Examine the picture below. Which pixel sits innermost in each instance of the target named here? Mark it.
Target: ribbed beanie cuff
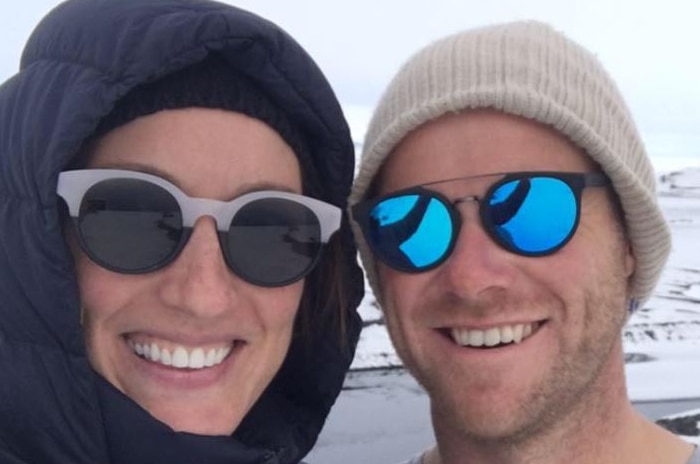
(530, 70)
(213, 84)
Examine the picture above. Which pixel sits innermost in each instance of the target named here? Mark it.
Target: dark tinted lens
(129, 225)
(533, 215)
(273, 241)
(410, 232)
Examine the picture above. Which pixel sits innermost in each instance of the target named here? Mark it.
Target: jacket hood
(81, 59)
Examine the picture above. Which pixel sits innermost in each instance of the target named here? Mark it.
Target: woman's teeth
(494, 336)
(179, 356)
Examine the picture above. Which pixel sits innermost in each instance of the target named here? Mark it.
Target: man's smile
(494, 336)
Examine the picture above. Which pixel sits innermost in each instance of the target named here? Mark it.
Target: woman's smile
(180, 356)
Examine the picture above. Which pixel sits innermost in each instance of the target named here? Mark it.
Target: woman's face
(196, 306)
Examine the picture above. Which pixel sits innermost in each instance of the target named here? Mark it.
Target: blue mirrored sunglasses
(527, 213)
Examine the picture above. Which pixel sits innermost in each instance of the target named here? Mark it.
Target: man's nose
(199, 281)
(477, 264)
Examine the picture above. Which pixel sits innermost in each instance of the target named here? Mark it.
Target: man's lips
(495, 336)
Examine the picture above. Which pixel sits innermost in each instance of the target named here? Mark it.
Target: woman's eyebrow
(140, 167)
(264, 185)
(241, 190)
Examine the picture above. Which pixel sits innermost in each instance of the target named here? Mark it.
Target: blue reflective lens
(533, 215)
(411, 231)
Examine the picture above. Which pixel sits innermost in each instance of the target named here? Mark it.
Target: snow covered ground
(662, 340)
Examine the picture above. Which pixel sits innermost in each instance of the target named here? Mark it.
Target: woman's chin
(199, 424)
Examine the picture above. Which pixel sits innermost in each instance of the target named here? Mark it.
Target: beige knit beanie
(526, 69)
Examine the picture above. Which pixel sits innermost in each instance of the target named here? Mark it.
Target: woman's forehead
(207, 153)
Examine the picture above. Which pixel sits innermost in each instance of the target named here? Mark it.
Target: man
(506, 215)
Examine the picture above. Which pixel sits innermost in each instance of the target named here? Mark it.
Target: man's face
(572, 301)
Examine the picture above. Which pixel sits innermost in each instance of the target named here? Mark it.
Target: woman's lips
(180, 356)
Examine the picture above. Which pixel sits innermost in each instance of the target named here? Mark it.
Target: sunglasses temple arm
(330, 217)
(596, 179)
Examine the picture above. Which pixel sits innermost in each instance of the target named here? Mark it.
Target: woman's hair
(325, 300)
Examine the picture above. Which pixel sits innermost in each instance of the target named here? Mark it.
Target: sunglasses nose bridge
(204, 229)
(466, 199)
(196, 208)
(471, 232)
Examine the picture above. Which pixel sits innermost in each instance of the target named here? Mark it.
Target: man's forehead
(478, 142)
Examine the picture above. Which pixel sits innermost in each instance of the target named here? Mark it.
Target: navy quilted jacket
(82, 58)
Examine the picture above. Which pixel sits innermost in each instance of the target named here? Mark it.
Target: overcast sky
(652, 48)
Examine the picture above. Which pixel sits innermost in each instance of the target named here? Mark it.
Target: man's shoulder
(695, 458)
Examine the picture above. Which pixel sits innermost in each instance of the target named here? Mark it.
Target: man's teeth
(493, 336)
(181, 357)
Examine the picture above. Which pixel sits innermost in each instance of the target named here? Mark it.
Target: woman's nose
(199, 281)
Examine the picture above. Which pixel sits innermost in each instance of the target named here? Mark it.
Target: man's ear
(630, 264)
(630, 261)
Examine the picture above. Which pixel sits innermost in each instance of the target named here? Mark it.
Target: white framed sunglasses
(133, 222)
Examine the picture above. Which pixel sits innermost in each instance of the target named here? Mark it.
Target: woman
(175, 281)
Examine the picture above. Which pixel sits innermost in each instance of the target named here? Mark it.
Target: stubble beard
(566, 394)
